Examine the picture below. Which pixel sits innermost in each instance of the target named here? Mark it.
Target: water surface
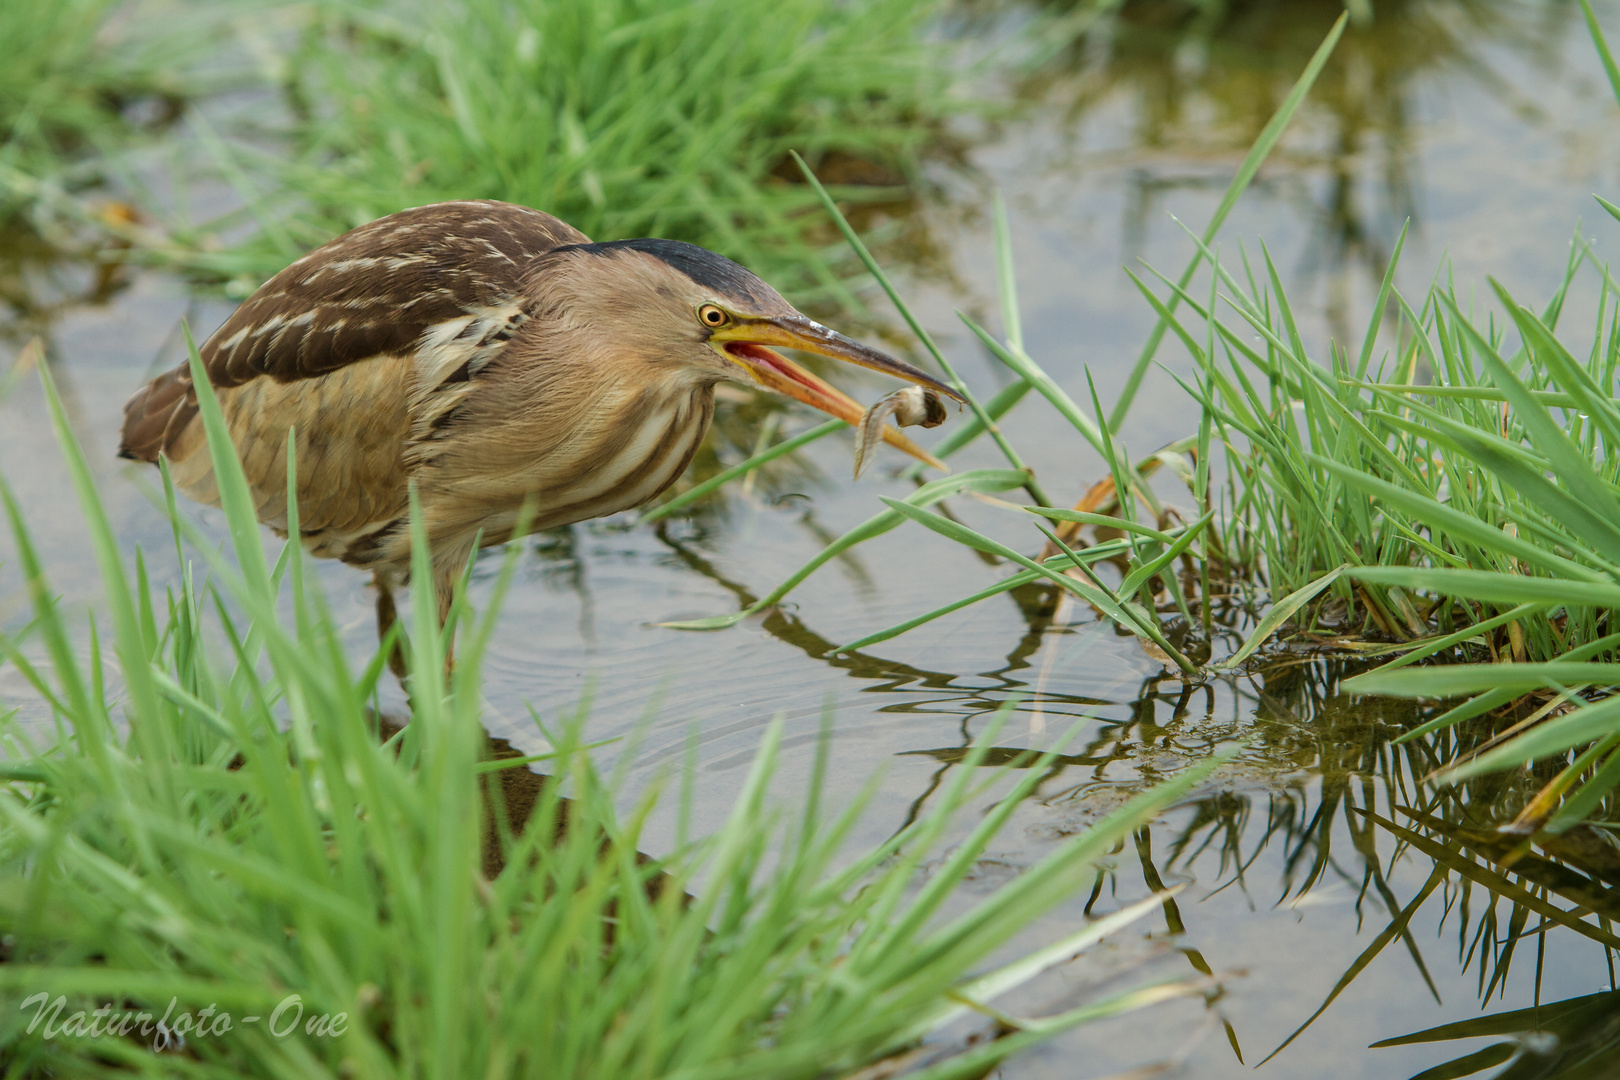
(1318, 852)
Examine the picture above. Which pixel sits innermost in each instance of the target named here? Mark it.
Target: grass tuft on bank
(624, 118)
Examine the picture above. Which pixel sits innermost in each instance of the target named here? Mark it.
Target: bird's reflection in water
(510, 800)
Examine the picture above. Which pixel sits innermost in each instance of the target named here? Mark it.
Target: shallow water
(1490, 125)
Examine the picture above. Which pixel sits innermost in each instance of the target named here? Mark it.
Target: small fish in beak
(911, 406)
(746, 344)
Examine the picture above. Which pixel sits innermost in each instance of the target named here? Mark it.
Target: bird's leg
(444, 591)
(387, 616)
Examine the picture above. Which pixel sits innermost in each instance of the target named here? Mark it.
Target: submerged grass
(223, 835)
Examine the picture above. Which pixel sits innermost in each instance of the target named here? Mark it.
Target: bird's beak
(746, 344)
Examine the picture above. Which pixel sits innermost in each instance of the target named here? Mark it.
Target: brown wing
(372, 292)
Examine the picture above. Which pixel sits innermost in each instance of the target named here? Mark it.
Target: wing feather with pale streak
(447, 276)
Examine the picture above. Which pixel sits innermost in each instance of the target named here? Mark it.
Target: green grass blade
(872, 267)
(742, 468)
(1602, 45)
(1501, 588)
(1016, 581)
(1148, 570)
(1251, 165)
(1280, 613)
(1454, 680)
(235, 497)
(1104, 521)
(1440, 644)
(1582, 803)
(1555, 735)
(144, 716)
(989, 986)
(1465, 393)
(877, 525)
(1526, 473)
(1032, 374)
(1546, 434)
(1459, 524)
(1114, 607)
(1007, 279)
(1376, 319)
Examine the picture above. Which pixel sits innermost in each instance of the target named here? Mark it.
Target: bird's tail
(157, 414)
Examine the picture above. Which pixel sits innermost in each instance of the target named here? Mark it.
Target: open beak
(746, 344)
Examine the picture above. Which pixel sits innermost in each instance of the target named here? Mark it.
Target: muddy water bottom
(1316, 868)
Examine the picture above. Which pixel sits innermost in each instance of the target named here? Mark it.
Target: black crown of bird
(494, 357)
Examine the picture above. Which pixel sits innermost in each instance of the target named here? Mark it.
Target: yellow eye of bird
(712, 316)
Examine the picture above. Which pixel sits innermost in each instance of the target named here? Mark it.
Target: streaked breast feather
(663, 439)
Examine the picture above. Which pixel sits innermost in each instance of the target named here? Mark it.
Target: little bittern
(490, 354)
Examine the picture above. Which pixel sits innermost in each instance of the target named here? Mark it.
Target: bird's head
(680, 304)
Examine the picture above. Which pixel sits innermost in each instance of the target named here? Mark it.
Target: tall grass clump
(1469, 486)
(1458, 500)
(225, 831)
(1449, 488)
(624, 118)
